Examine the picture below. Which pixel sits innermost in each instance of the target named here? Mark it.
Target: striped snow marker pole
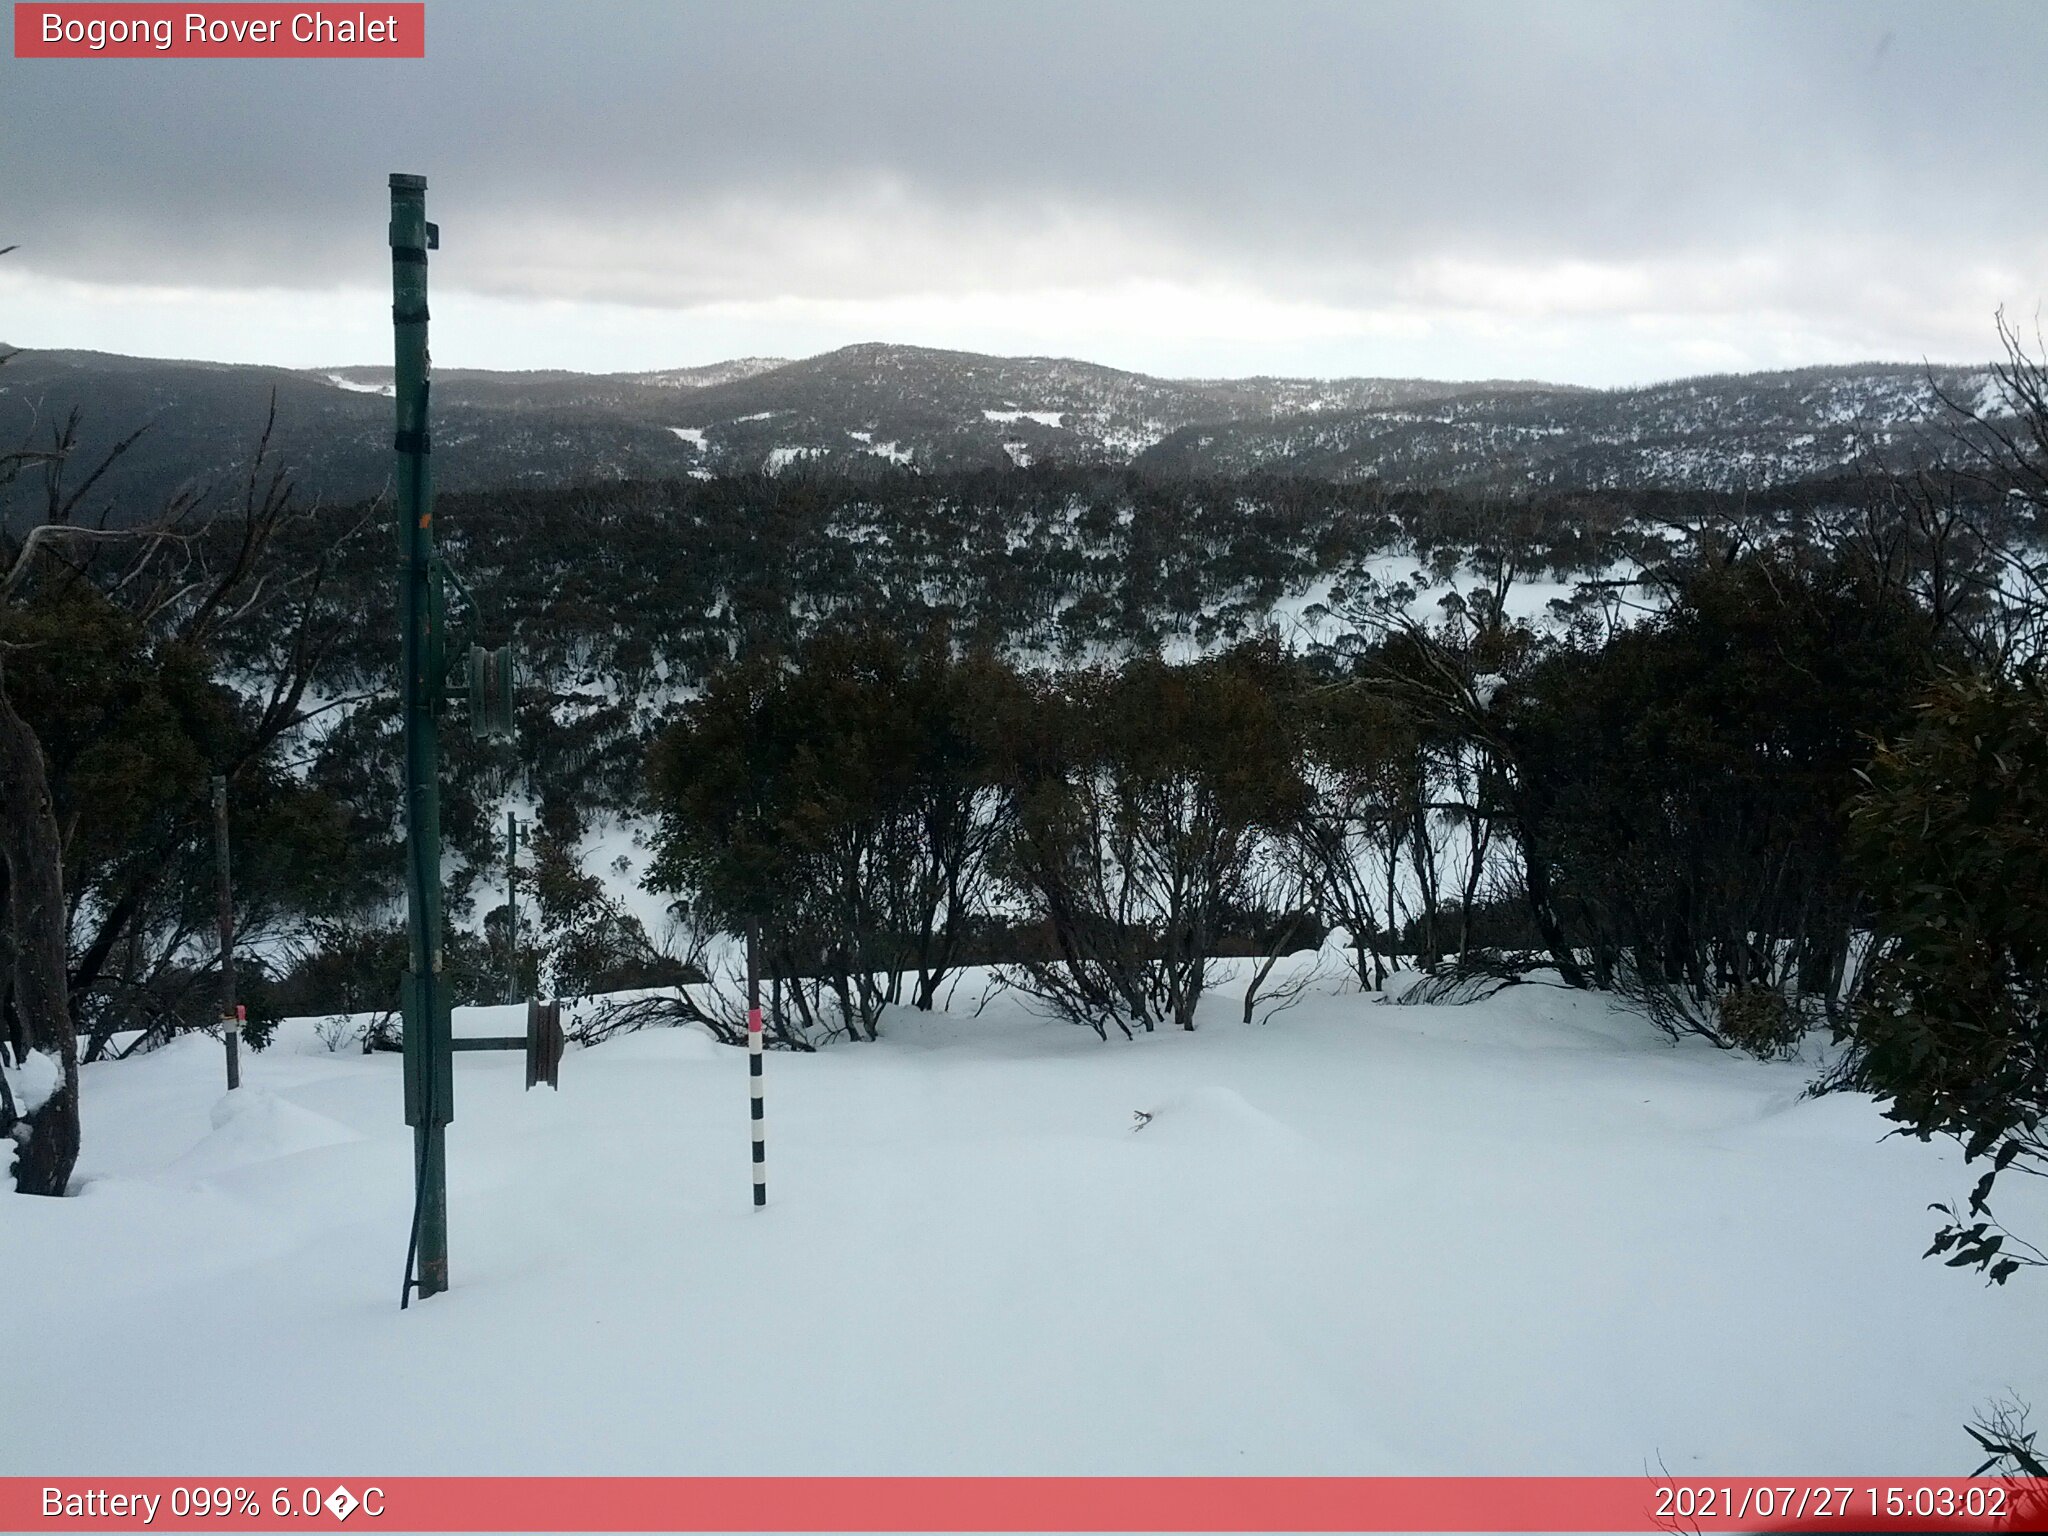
(754, 1105)
(754, 1057)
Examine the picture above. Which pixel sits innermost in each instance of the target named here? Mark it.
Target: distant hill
(863, 409)
(1729, 432)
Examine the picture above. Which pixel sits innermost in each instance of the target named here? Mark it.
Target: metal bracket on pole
(490, 692)
(544, 1044)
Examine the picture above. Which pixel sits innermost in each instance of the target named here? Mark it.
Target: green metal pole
(511, 906)
(429, 1063)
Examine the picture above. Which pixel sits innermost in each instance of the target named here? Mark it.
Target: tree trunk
(1536, 886)
(1274, 950)
(30, 845)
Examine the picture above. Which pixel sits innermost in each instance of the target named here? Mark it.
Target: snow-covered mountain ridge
(877, 408)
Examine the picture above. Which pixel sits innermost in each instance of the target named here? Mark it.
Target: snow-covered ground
(780, 459)
(1010, 418)
(354, 387)
(1522, 1236)
(618, 850)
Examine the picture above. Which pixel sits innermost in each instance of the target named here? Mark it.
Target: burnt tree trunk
(30, 846)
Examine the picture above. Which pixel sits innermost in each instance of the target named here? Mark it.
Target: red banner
(117, 31)
(1023, 1504)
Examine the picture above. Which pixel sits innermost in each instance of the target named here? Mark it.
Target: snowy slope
(1521, 1236)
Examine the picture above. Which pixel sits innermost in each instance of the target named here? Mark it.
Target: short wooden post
(230, 1015)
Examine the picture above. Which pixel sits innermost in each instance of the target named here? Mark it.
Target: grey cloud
(678, 153)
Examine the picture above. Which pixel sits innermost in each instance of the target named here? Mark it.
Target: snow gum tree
(1359, 753)
(844, 797)
(1951, 1020)
(112, 720)
(1140, 799)
(1680, 786)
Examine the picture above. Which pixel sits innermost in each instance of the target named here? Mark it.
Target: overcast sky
(1592, 192)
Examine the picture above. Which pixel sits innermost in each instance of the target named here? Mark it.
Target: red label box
(366, 29)
(1819, 1507)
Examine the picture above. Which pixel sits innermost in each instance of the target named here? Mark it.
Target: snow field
(1526, 1235)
